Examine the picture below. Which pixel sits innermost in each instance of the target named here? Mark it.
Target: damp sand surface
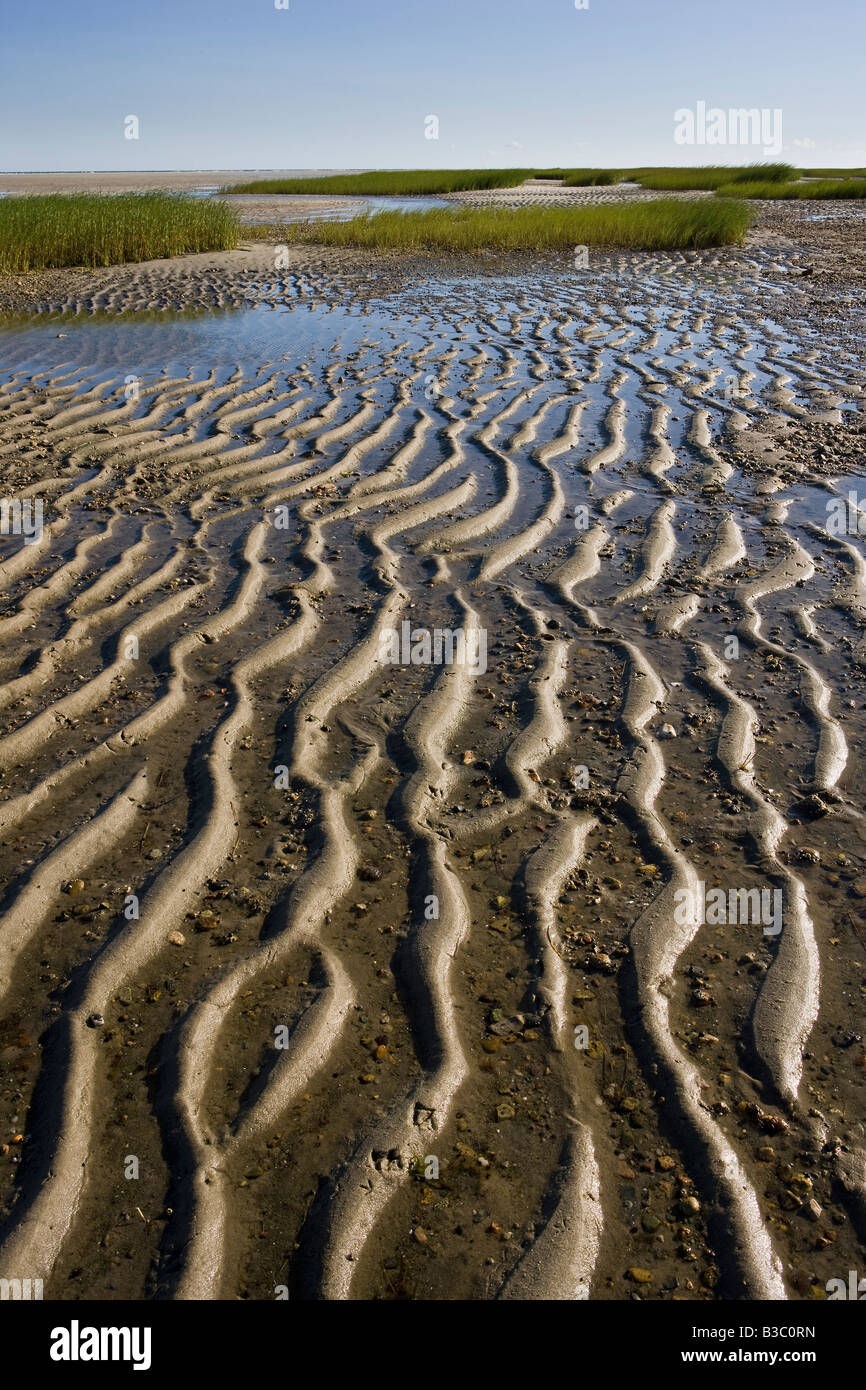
(311, 934)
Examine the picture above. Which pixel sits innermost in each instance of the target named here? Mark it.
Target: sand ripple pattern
(309, 926)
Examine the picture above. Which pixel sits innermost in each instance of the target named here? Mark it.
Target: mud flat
(330, 968)
(148, 180)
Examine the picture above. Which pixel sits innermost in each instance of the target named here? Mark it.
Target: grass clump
(834, 173)
(591, 178)
(579, 178)
(709, 177)
(765, 173)
(665, 225)
(390, 182)
(819, 188)
(94, 229)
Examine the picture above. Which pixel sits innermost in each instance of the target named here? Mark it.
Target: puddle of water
(177, 343)
(300, 327)
(357, 208)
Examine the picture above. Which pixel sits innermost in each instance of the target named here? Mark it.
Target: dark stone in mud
(812, 807)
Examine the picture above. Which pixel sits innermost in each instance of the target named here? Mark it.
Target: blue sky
(228, 84)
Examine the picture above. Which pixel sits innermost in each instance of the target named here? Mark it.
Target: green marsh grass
(766, 173)
(664, 225)
(390, 182)
(417, 182)
(708, 177)
(833, 173)
(818, 188)
(93, 229)
(591, 178)
(579, 178)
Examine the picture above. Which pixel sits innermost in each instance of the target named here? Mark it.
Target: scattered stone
(812, 807)
(599, 961)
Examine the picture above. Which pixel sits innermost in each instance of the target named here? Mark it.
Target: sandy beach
(398, 978)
